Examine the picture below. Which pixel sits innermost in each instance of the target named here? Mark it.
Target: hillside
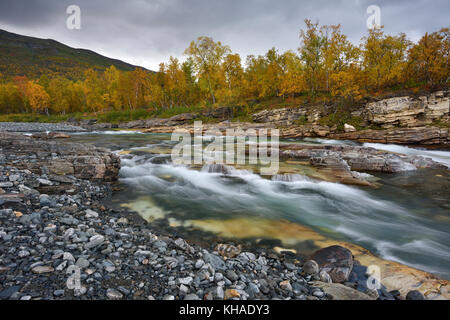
(33, 57)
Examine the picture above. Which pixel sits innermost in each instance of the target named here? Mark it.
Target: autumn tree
(207, 56)
(311, 53)
(38, 97)
(293, 80)
(428, 60)
(232, 75)
(112, 95)
(384, 58)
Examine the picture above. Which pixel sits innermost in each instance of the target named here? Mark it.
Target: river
(405, 219)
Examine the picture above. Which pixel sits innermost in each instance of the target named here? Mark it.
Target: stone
(406, 136)
(191, 296)
(8, 292)
(199, 263)
(6, 184)
(228, 250)
(184, 289)
(113, 294)
(285, 116)
(42, 269)
(58, 293)
(311, 267)
(230, 274)
(91, 214)
(83, 161)
(340, 292)
(231, 293)
(218, 293)
(286, 285)
(349, 128)
(23, 253)
(252, 290)
(215, 261)
(325, 277)
(414, 295)
(337, 261)
(95, 241)
(246, 257)
(186, 281)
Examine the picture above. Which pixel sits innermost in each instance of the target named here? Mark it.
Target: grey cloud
(147, 32)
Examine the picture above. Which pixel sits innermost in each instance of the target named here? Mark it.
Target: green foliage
(301, 121)
(340, 118)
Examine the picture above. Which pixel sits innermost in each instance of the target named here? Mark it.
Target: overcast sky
(147, 32)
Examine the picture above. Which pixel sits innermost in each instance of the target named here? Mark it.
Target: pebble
(414, 295)
(311, 267)
(114, 294)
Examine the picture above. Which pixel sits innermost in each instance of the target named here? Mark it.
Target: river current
(404, 219)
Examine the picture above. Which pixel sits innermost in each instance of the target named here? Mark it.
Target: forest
(326, 64)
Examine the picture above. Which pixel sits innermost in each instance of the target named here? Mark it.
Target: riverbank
(51, 221)
(50, 242)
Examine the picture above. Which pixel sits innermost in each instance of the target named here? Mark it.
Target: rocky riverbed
(59, 241)
(49, 240)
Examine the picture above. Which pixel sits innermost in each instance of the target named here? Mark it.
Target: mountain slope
(22, 55)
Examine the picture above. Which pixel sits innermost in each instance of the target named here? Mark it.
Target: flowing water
(405, 219)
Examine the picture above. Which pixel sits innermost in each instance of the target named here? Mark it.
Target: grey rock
(415, 295)
(215, 261)
(113, 294)
(311, 267)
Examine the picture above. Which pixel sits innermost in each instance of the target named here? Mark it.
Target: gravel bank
(38, 127)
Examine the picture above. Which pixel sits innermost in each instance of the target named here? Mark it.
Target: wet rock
(340, 292)
(215, 261)
(114, 294)
(228, 250)
(8, 292)
(415, 295)
(42, 269)
(325, 277)
(311, 267)
(337, 261)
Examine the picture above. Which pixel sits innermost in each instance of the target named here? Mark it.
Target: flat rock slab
(341, 292)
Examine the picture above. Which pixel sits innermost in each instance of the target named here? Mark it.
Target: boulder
(349, 128)
(337, 261)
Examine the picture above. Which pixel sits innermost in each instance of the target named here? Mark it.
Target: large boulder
(337, 261)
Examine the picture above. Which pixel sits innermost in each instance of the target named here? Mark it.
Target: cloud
(148, 32)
